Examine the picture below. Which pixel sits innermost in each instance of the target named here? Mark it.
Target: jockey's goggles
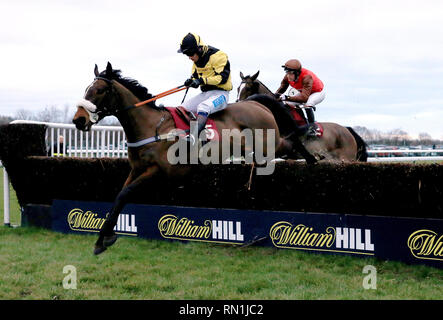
(289, 70)
(190, 52)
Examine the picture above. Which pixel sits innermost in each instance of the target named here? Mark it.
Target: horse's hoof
(109, 241)
(99, 249)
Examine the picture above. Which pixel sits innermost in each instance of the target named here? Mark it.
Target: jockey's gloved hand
(283, 97)
(194, 83)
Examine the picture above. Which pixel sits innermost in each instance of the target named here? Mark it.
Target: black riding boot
(202, 117)
(194, 134)
(312, 127)
(310, 114)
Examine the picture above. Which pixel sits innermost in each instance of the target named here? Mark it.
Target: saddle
(182, 119)
(298, 115)
(185, 115)
(315, 129)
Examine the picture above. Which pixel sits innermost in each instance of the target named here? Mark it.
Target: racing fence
(64, 140)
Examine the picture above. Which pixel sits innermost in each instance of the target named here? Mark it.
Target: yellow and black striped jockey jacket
(214, 69)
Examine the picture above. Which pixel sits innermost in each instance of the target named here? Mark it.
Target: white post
(52, 142)
(6, 206)
(102, 147)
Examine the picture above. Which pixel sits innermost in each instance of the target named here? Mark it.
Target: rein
(245, 81)
(157, 137)
(160, 95)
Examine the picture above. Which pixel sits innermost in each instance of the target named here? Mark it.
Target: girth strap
(156, 138)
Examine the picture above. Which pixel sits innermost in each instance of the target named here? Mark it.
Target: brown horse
(337, 143)
(111, 94)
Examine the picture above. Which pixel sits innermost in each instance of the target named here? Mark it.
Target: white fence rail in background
(402, 155)
(100, 141)
(107, 141)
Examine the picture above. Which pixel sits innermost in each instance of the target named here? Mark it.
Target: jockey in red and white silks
(307, 89)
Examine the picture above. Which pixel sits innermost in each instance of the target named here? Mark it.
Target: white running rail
(100, 141)
(403, 155)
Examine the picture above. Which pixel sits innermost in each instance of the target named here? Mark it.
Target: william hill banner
(403, 239)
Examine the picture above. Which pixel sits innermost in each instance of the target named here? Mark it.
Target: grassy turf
(32, 261)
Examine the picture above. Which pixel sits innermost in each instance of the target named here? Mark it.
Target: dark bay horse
(337, 143)
(111, 94)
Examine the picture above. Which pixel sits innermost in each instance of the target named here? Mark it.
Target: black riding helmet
(189, 45)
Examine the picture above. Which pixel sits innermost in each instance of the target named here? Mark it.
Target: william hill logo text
(426, 244)
(335, 239)
(88, 221)
(172, 227)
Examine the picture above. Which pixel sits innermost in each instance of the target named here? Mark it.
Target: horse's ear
(96, 71)
(254, 77)
(109, 69)
(242, 76)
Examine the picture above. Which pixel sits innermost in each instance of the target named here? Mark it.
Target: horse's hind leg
(107, 235)
(297, 147)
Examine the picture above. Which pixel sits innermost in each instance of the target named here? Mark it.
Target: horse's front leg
(107, 236)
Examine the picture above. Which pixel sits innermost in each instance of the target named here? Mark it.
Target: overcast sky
(381, 61)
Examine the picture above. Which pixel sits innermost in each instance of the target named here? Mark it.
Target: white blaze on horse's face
(240, 89)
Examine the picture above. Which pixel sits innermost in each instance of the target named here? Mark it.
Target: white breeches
(207, 102)
(313, 99)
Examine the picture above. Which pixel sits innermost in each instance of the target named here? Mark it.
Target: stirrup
(190, 138)
(314, 130)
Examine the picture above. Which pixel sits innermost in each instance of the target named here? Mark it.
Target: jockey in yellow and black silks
(211, 72)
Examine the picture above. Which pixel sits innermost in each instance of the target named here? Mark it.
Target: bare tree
(67, 114)
(24, 114)
(5, 120)
(424, 136)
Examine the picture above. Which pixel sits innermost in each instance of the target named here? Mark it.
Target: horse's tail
(285, 121)
(362, 152)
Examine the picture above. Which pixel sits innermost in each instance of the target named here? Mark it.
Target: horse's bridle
(106, 110)
(245, 82)
(140, 143)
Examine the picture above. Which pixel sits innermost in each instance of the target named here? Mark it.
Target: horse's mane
(263, 85)
(132, 85)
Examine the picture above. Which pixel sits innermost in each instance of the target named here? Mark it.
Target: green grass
(32, 261)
